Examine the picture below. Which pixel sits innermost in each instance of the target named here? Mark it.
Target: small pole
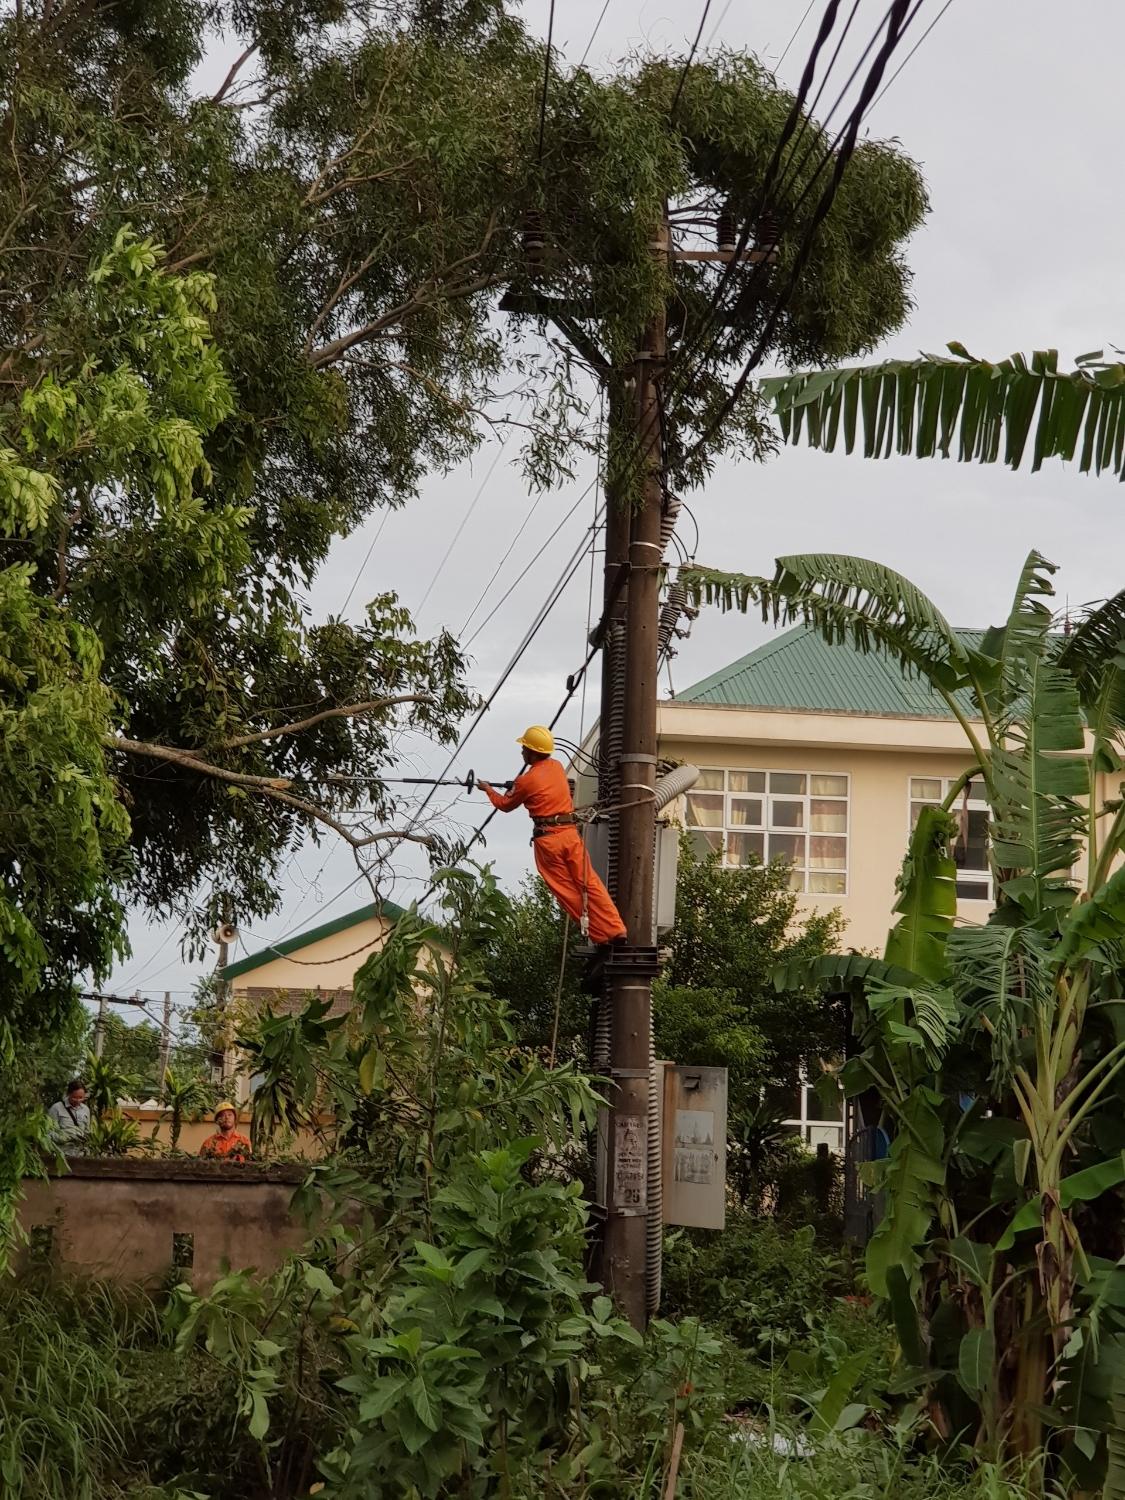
(166, 1036)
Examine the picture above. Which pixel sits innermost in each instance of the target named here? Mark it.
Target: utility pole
(632, 693)
(165, 1036)
(99, 1028)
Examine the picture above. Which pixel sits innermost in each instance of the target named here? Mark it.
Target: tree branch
(274, 787)
(191, 761)
(421, 300)
(233, 74)
(312, 810)
(347, 711)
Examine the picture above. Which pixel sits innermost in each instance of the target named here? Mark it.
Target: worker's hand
(484, 786)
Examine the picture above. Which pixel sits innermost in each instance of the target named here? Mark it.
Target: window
(814, 1121)
(974, 878)
(753, 817)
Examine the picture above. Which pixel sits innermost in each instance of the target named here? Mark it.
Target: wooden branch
(62, 572)
(233, 74)
(191, 761)
(347, 711)
(312, 810)
(431, 291)
(418, 303)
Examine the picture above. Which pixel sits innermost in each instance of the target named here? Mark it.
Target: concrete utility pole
(629, 695)
(165, 1036)
(99, 1028)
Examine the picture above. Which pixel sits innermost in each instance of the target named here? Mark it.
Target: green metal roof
(799, 670)
(300, 940)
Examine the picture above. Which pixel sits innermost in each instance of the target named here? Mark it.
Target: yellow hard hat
(537, 738)
(225, 1104)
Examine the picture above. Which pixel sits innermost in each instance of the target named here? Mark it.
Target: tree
(715, 1003)
(999, 1248)
(344, 211)
(970, 408)
(733, 928)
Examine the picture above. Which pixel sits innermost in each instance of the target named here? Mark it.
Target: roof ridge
(298, 940)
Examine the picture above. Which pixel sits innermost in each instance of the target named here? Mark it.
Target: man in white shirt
(70, 1118)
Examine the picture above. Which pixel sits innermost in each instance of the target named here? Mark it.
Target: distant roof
(300, 940)
(799, 670)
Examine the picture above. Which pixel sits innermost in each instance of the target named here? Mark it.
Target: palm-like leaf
(846, 599)
(963, 407)
(927, 899)
(1036, 778)
(1094, 655)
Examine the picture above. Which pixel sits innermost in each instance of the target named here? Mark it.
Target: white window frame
(976, 804)
(810, 1127)
(766, 828)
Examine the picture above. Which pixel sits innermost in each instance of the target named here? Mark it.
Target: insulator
(532, 237)
(768, 235)
(726, 230)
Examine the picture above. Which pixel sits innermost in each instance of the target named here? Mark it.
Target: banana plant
(996, 1052)
(975, 410)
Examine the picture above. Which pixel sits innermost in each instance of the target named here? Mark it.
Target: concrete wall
(131, 1220)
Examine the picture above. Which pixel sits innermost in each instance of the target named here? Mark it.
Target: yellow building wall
(327, 964)
(879, 755)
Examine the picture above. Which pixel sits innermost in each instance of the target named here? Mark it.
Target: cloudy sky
(1012, 111)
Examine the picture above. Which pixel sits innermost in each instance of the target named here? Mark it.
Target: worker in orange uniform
(226, 1144)
(560, 854)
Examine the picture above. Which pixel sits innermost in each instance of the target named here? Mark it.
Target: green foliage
(765, 1286)
(733, 928)
(969, 408)
(524, 963)
(996, 1066)
(342, 217)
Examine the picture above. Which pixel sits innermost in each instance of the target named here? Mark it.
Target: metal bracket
(637, 760)
(637, 963)
(629, 1072)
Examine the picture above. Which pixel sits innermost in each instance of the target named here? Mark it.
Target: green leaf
(973, 1260)
(426, 1407)
(372, 1070)
(976, 1360)
(988, 402)
(259, 1415)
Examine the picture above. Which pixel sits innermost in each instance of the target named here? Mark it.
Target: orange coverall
(560, 855)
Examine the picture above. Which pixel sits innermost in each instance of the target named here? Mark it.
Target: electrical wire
(593, 34)
(366, 560)
(911, 53)
(896, 14)
(522, 527)
(702, 350)
(546, 80)
(796, 32)
(538, 554)
(688, 63)
(465, 519)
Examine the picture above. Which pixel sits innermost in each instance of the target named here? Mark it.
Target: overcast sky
(1011, 108)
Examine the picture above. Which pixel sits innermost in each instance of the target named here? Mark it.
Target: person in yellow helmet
(560, 854)
(226, 1144)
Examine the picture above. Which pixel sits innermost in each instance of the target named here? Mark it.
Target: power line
(538, 554)
(512, 544)
(366, 560)
(895, 17)
(796, 32)
(465, 519)
(911, 53)
(546, 79)
(593, 34)
(688, 63)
